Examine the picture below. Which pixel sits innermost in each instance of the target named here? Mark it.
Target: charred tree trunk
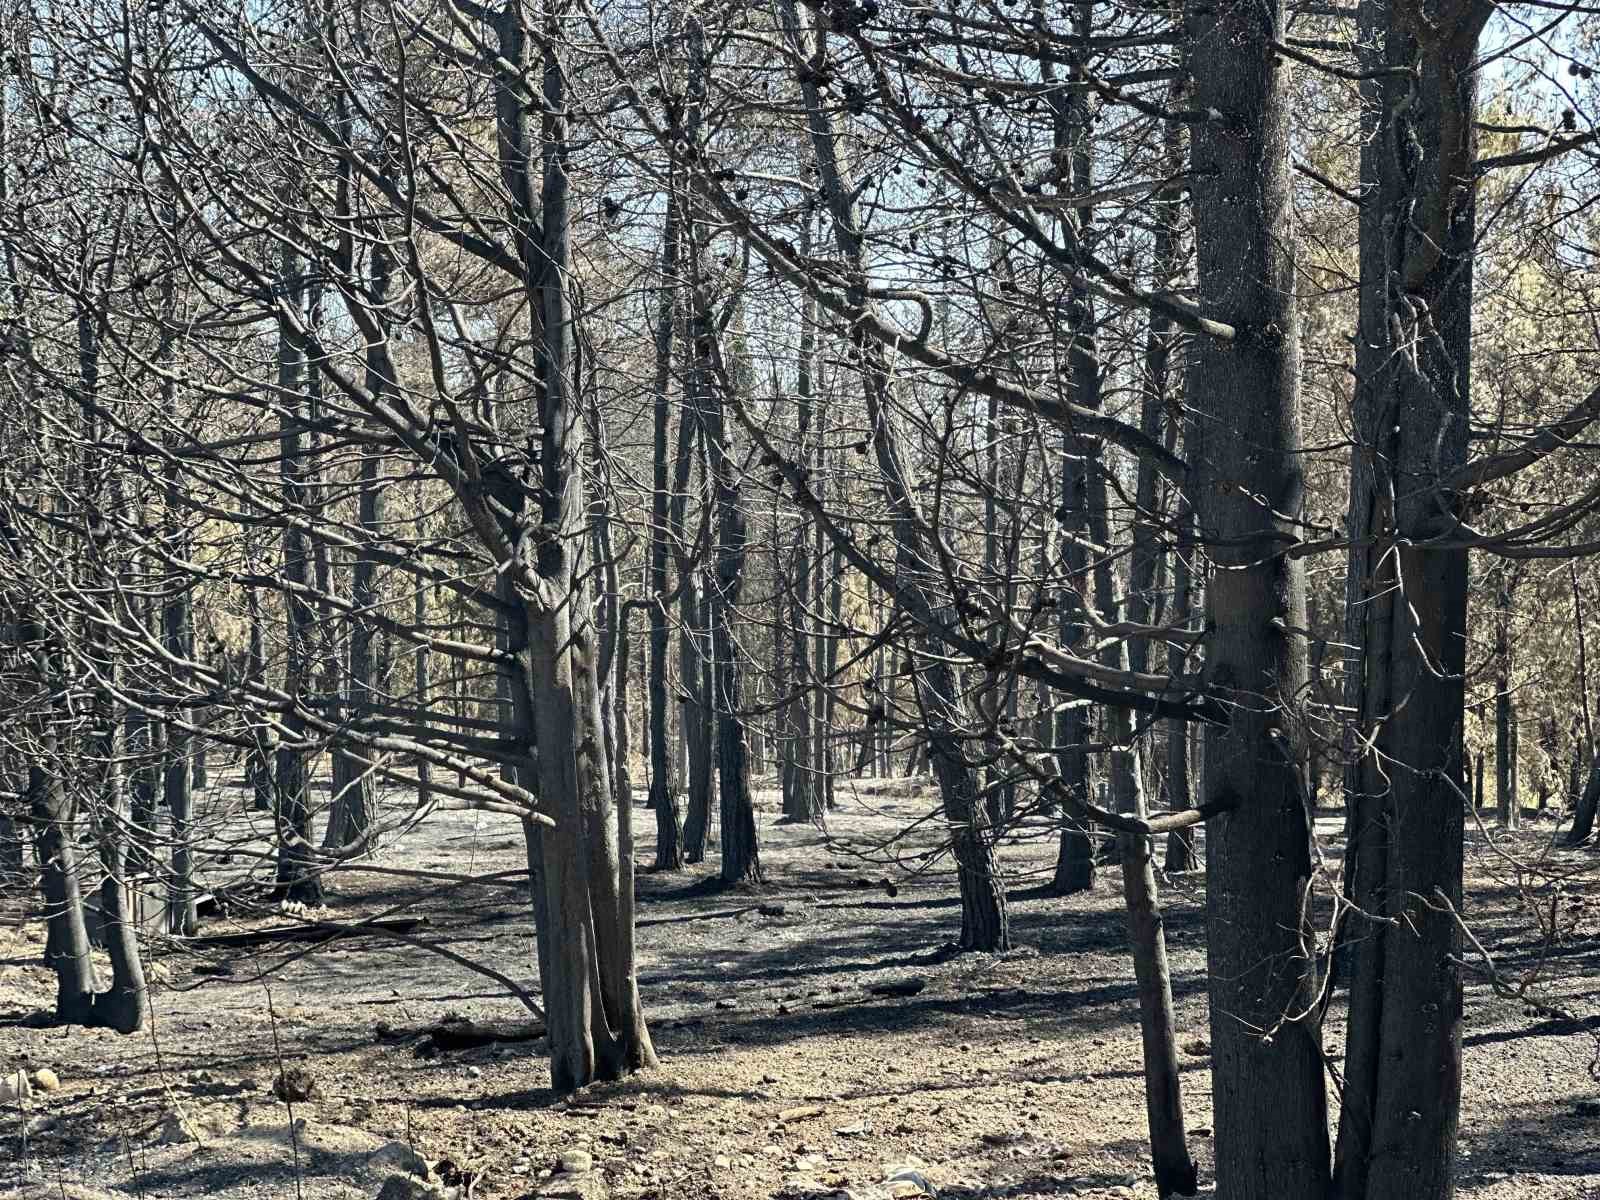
(584, 867)
(1180, 787)
(261, 758)
(1505, 749)
(664, 503)
(1584, 811)
(1247, 487)
(296, 877)
(984, 924)
(804, 798)
(741, 854)
(66, 950)
(1417, 241)
(1075, 866)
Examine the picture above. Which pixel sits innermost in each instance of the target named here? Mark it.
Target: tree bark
(984, 924)
(1075, 866)
(741, 854)
(663, 799)
(1405, 860)
(66, 936)
(582, 864)
(297, 879)
(1268, 1099)
(1505, 756)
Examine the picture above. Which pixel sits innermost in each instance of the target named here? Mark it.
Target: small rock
(576, 1162)
(859, 1129)
(800, 1112)
(726, 1003)
(295, 1083)
(722, 1162)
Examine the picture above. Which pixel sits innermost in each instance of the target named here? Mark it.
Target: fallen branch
(306, 931)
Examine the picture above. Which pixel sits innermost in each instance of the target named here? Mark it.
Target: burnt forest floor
(784, 1074)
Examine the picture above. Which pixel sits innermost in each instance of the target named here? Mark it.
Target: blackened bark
(66, 949)
(663, 799)
(804, 798)
(1075, 865)
(1505, 753)
(1412, 408)
(582, 863)
(741, 854)
(984, 924)
(355, 798)
(297, 879)
(1180, 787)
(1584, 811)
(1247, 488)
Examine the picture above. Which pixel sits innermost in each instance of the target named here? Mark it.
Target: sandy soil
(783, 1074)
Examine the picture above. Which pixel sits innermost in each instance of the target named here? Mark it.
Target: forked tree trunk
(741, 853)
(582, 865)
(1417, 241)
(1267, 1091)
(66, 949)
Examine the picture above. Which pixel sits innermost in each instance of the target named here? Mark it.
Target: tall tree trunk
(1180, 787)
(663, 504)
(66, 949)
(1174, 1168)
(145, 753)
(355, 797)
(696, 712)
(804, 799)
(1247, 486)
(984, 923)
(1505, 754)
(741, 854)
(297, 878)
(261, 757)
(419, 617)
(177, 637)
(1412, 409)
(1070, 131)
(583, 862)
